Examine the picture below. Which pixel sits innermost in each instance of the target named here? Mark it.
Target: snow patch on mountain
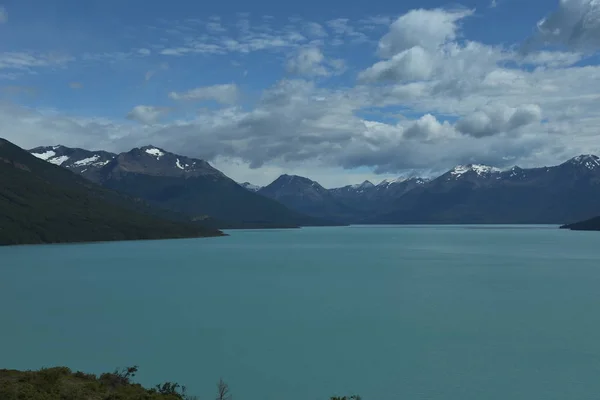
(45, 155)
(250, 187)
(58, 160)
(364, 185)
(178, 164)
(589, 161)
(87, 161)
(155, 152)
(388, 182)
(479, 169)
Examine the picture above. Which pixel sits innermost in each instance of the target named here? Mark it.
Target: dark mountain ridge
(471, 193)
(308, 197)
(477, 194)
(45, 203)
(188, 186)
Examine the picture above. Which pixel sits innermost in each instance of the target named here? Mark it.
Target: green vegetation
(61, 383)
(44, 203)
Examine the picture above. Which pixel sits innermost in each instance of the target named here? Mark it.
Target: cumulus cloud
(428, 128)
(446, 100)
(424, 28)
(553, 59)
(147, 114)
(492, 120)
(576, 24)
(223, 94)
(3, 15)
(422, 45)
(412, 64)
(310, 61)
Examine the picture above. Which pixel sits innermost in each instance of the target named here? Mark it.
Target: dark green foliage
(121, 377)
(61, 384)
(43, 203)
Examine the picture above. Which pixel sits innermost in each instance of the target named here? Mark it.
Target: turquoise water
(385, 312)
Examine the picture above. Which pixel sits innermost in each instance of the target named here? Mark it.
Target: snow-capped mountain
(179, 183)
(250, 187)
(474, 193)
(370, 198)
(152, 160)
(472, 170)
(589, 161)
(84, 162)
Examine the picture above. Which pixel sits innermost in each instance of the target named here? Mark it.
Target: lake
(437, 312)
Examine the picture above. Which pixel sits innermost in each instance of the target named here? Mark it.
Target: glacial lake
(435, 312)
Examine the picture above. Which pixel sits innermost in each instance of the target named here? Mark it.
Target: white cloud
(3, 15)
(223, 94)
(553, 59)
(147, 114)
(310, 61)
(428, 128)
(576, 24)
(433, 77)
(411, 64)
(215, 27)
(27, 61)
(492, 120)
(424, 28)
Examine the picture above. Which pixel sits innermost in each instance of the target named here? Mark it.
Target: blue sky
(338, 91)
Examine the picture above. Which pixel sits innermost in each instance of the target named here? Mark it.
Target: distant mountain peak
(250, 187)
(589, 161)
(72, 158)
(387, 182)
(479, 169)
(153, 151)
(293, 184)
(364, 185)
(295, 179)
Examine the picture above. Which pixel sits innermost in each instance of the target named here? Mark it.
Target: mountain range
(466, 194)
(43, 203)
(471, 193)
(178, 183)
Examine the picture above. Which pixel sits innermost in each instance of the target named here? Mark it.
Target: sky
(335, 90)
